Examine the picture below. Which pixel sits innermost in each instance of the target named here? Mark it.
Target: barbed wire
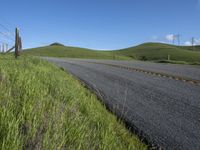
(7, 29)
(7, 23)
(7, 36)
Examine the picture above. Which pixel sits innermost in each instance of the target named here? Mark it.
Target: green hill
(56, 50)
(158, 51)
(147, 51)
(195, 48)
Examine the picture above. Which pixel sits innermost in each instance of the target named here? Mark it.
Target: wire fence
(10, 39)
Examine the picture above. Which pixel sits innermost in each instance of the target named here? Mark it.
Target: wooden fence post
(16, 42)
(19, 43)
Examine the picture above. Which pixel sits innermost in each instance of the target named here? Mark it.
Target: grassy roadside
(42, 107)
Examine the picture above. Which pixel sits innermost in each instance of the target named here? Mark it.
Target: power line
(9, 35)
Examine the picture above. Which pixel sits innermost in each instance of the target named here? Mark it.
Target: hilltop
(56, 44)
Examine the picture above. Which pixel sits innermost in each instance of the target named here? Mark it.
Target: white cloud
(170, 37)
(188, 43)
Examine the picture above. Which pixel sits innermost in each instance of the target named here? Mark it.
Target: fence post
(20, 43)
(168, 57)
(16, 42)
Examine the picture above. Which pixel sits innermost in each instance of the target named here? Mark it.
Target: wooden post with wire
(18, 43)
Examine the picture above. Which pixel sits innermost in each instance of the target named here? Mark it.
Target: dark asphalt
(164, 110)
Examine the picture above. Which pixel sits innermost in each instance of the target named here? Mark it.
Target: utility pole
(193, 43)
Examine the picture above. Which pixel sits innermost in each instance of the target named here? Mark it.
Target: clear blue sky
(101, 24)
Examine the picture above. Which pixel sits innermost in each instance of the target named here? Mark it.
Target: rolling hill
(159, 51)
(58, 50)
(146, 51)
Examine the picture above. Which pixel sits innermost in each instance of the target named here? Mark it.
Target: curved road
(163, 110)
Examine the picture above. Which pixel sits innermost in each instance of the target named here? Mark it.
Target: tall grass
(42, 107)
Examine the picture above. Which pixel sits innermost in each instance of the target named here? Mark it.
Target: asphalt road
(163, 110)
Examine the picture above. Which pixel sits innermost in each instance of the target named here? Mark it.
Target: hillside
(147, 51)
(158, 51)
(195, 48)
(73, 52)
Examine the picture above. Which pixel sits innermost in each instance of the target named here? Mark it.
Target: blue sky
(101, 24)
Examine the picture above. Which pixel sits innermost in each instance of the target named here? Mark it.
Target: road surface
(163, 110)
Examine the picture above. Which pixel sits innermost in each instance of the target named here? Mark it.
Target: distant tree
(57, 44)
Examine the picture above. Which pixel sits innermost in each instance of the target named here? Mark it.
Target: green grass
(158, 51)
(147, 51)
(195, 48)
(73, 52)
(43, 107)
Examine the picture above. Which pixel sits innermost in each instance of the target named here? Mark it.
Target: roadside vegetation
(43, 107)
(156, 52)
